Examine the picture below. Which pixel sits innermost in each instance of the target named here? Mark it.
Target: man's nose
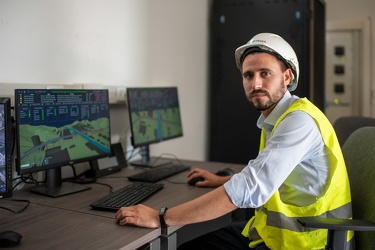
(257, 82)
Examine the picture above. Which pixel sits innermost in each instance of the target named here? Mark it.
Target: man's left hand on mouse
(210, 179)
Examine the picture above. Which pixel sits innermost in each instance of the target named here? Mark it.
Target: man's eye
(248, 76)
(266, 73)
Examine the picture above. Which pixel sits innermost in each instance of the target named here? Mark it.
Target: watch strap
(161, 217)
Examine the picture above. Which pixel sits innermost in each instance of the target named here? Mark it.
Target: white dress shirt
(294, 161)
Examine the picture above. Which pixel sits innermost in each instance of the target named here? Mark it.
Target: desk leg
(155, 244)
(169, 242)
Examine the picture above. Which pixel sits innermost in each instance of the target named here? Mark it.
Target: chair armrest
(337, 229)
(337, 224)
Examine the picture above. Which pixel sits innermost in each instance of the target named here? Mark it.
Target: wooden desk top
(69, 222)
(44, 227)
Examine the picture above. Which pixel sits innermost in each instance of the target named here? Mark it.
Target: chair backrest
(359, 155)
(344, 126)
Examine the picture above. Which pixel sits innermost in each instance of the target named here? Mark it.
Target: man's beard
(272, 100)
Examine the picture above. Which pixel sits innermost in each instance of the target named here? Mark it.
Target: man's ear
(288, 77)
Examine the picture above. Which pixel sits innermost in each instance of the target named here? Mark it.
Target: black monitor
(60, 127)
(6, 147)
(155, 116)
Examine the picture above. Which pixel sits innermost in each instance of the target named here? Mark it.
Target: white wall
(73, 41)
(127, 43)
(116, 42)
(179, 56)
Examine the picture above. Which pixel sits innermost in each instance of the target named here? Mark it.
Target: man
(299, 171)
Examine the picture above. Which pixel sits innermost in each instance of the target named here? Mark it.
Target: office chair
(359, 155)
(346, 125)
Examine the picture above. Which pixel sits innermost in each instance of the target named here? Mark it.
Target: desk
(68, 222)
(44, 227)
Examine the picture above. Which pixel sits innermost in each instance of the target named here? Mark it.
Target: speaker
(111, 164)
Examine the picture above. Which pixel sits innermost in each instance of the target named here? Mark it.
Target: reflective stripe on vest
(275, 222)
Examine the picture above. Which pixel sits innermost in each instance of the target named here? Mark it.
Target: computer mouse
(225, 172)
(195, 180)
(9, 238)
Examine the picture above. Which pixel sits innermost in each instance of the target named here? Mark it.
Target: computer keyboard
(159, 173)
(129, 195)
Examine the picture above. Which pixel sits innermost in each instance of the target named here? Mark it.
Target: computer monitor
(6, 147)
(155, 116)
(60, 127)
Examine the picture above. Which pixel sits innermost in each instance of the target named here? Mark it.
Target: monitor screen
(59, 127)
(6, 147)
(154, 114)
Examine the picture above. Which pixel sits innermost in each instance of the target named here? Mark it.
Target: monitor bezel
(131, 122)
(21, 171)
(8, 141)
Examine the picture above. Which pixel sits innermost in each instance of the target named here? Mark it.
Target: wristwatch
(161, 216)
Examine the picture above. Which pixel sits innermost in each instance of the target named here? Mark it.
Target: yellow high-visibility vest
(276, 222)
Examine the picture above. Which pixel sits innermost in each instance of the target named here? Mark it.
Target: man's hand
(138, 215)
(210, 179)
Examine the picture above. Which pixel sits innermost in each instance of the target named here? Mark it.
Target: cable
(74, 170)
(169, 155)
(21, 181)
(132, 154)
(30, 177)
(16, 200)
(105, 184)
(175, 182)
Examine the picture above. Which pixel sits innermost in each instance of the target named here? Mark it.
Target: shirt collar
(279, 109)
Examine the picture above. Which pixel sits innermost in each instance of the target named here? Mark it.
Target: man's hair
(282, 63)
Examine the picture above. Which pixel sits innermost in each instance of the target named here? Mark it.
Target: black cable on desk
(16, 200)
(173, 156)
(105, 184)
(175, 182)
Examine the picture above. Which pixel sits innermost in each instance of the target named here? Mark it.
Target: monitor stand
(55, 187)
(146, 161)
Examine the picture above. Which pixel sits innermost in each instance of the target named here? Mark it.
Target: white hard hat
(275, 45)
